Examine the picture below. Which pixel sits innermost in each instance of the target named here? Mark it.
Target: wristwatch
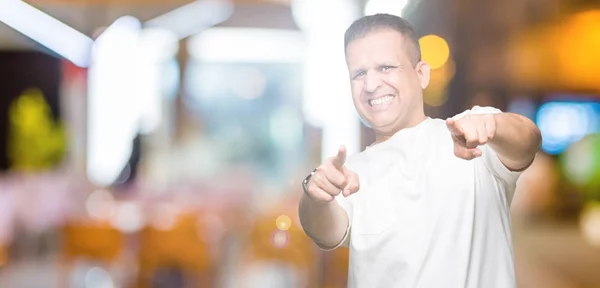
(307, 179)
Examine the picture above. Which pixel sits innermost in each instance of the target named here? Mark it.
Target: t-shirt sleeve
(489, 156)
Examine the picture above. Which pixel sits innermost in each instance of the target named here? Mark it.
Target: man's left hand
(470, 131)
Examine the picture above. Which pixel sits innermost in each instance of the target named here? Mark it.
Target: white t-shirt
(426, 218)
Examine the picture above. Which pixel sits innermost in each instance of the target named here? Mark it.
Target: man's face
(387, 89)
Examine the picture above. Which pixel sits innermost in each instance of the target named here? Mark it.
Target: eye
(359, 74)
(386, 68)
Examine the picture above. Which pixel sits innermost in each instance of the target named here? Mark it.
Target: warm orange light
(434, 50)
(2, 256)
(436, 92)
(578, 46)
(283, 222)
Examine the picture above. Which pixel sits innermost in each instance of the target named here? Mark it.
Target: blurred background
(148, 143)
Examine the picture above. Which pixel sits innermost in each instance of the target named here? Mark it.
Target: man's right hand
(332, 178)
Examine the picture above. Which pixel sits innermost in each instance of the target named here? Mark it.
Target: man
(427, 204)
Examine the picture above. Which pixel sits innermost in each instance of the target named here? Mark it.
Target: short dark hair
(372, 23)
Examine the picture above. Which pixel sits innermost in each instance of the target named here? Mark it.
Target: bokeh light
(128, 217)
(97, 277)
(581, 163)
(578, 56)
(434, 50)
(563, 123)
(590, 223)
(283, 222)
(436, 92)
(280, 239)
(100, 205)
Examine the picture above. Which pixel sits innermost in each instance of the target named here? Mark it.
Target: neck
(381, 136)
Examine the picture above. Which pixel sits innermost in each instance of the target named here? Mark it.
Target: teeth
(381, 100)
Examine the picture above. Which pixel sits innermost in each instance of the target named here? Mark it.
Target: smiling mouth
(381, 100)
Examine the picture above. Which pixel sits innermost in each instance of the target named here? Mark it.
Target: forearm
(516, 141)
(325, 223)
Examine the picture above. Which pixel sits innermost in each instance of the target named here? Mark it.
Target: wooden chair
(179, 247)
(89, 240)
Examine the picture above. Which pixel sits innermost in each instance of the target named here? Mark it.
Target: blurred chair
(291, 248)
(178, 250)
(89, 240)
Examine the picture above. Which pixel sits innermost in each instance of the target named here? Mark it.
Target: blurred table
(553, 255)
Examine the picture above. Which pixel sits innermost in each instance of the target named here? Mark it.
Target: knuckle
(321, 168)
(334, 192)
(318, 175)
(313, 182)
(344, 181)
(327, 168)
(322, 177)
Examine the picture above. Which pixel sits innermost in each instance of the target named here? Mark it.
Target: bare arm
(516, 140)
(326, 223)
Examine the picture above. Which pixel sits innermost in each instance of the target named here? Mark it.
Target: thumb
(353, 183)
(340, 158)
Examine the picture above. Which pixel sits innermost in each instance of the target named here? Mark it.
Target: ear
(423, 72)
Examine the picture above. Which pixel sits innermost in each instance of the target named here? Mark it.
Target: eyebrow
(355, 71)
(393, 64)
(399, 64)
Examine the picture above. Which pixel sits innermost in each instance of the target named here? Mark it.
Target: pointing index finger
(453, 127)
(340, 158)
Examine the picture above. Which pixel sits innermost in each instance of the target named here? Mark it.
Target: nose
(372, 82)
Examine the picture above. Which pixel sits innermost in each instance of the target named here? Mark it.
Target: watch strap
(307, 179)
